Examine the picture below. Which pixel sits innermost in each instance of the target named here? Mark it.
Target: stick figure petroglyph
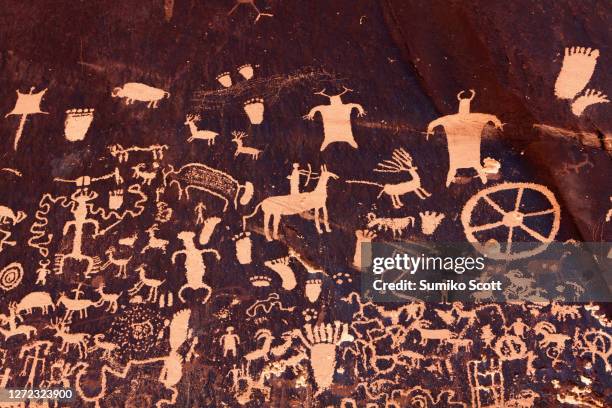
(336, 119)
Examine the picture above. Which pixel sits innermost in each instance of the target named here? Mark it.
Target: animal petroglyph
(241, 149)
(396, 225)
(463, 132)
(336, 119)
(152, 284)
(199, 134)
(135, 91)
(198, 176)
(401, 162)
(276, 206)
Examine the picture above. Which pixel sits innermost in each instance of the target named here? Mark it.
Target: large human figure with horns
(463, 133)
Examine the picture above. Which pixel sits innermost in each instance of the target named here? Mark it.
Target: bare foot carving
(254, 108)
(282, 268)
(363, 237)
(244, 247)
(590, 97)
(313, 289)
(576, 71)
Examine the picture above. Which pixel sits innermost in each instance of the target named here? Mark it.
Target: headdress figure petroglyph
(336, 119)
(463, 132)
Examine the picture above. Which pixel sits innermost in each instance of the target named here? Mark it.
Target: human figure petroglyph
(199, 212)
(122, 154)
(276, 206)
(294, 178)
(80, 213)
(27, 104)
(42, 272)
(252, 4)
(152, 284)
(396, 225)
(463, 132)
(198, 176)
(401, 162)
(34, 353)
(241, 149)
(120, 263)
(194, 264)
(199, 134)
(336, 119)
(135, 91)
(430, 220)
(229, 341)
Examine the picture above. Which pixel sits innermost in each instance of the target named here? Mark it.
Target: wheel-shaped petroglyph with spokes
(513, 220)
